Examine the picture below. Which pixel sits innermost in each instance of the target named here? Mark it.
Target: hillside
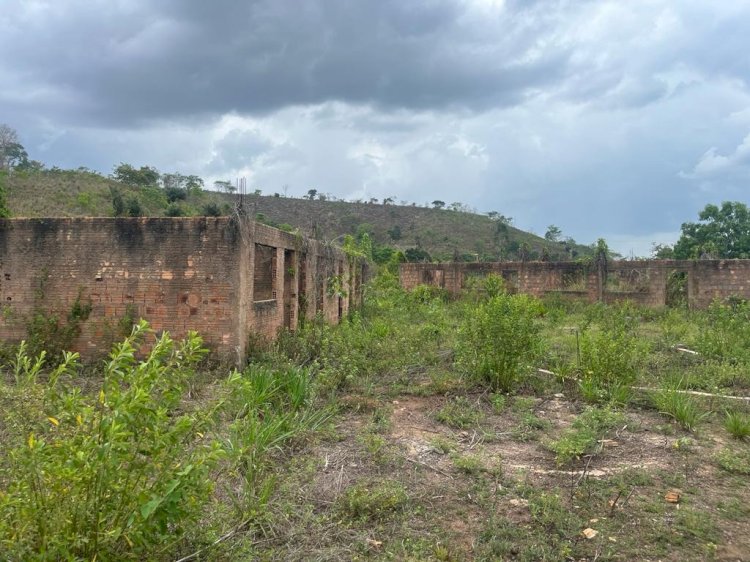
(443, 234)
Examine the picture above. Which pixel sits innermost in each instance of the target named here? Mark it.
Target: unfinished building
(229, 278)
(653, 283)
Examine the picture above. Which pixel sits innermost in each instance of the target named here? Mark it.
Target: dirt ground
(392, 482)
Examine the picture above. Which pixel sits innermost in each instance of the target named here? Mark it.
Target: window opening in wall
(574, 280)
(320, 281)
(264, 276)
(302, 285)
(677, 289)
(511, 280)
(473, 279)
(290, 294)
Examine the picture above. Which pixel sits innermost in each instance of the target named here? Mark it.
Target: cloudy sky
(606, 118)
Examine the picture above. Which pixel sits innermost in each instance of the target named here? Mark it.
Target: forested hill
(428, 233)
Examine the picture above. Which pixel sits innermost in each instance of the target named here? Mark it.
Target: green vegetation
(498, 340)
(680, 406)
(420, 428)
(586, 431)
(737, 424)
(723, 232)
(418, 232)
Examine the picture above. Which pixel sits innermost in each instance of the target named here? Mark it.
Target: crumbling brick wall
(180, 274)
(645, 282)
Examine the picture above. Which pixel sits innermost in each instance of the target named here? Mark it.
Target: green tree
(129, 175)
(224, 185)
(12, 152)
(193, 184)
(553, 233)
(722, 232)
(311, 193)
(417, 255)
(437, 204)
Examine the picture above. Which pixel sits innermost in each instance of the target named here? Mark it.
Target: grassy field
(494, 427)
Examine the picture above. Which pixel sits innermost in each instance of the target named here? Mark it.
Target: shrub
(174, 210)
(211, 210)
(133, 207)
(459, 413)
(428, 293)
(175, 194)
(725, 332)
(610, 361)
(497, 338)
(107, 476)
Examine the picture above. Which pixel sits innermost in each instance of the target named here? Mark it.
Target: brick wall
(178, 273)
(644, 282)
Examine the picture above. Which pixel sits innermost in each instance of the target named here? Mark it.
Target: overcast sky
(615, 119)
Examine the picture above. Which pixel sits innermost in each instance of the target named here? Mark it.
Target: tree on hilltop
(12, 153)
(129, 175)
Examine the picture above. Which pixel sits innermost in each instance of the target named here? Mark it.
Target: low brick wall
(180, 274)
(644, 282)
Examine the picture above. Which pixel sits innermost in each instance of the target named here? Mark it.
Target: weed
(443, 445)
(373, 501)
(373, 443)
(425, 294)
(469, 464)
(587, 429)
(680, 406)
(459, 413)
(737, 424)
(733, 509)
(736, 461)
(498, 402)
(522, 404)
(529, 426)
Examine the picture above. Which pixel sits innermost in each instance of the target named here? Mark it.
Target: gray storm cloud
(606, 118)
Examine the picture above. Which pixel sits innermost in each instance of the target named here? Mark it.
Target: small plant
(494, 285)
(469, 464)
(736, 461)
(498, 338)
(737, 424)
(679, 406)
(459, 413)
(587, 429)
(443, 445)
(428, 293)
(610, 360)
(498, 402)
(529, 427)
(374, 501)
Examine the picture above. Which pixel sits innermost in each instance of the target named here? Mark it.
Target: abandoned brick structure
(229, 278)
(652, 283)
